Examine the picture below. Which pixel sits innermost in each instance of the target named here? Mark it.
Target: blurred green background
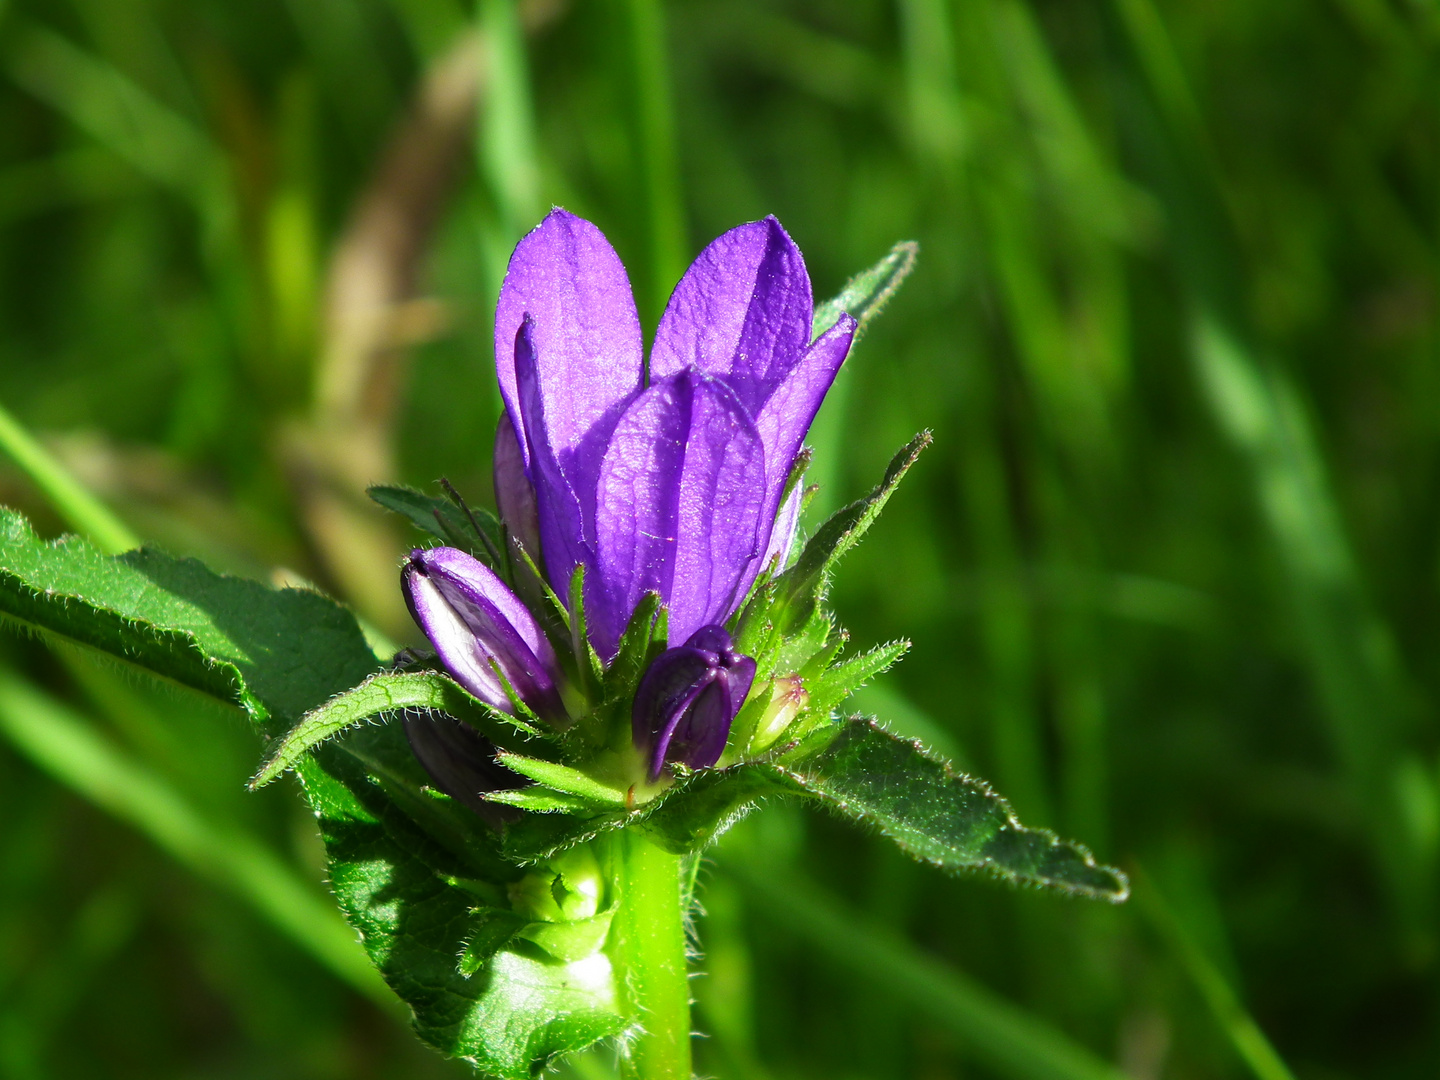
(1172, 568)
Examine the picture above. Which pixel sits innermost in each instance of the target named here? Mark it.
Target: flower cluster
(672, 478)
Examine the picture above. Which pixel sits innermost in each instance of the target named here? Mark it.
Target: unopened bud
(788, 699)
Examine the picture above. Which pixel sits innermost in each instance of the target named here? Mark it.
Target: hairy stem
(648, 946)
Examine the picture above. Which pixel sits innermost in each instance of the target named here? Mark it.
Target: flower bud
(461, 762)
(481, 631)
(688, 699)
(788, 699)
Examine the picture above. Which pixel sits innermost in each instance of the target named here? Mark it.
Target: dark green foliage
(471, 529)
(940, 817)
(275, 653)
(280, 655)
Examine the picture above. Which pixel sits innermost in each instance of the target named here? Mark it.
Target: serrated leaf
(279, 654)
(476, 532)
(798, 590)
(839, 682)
(940, 816)
(276, 653)
(563, 778)
(867, 293)
(384, 693)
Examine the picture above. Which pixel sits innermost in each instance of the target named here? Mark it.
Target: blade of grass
(1004, 1037)
(81, 510)
(658, 164)
(507, 135)
(111, 108)
(1242, 1030)
(64, 745)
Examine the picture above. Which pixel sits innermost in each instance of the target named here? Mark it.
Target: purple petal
(678, 509)
(742, 311)
(783, 422)
(782, 535)
(567, 277)
(514, 494)
(559, 512)
(790, 410)
(476, 624)
(669, 685)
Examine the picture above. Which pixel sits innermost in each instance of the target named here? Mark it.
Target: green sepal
(491, 930)
(476, 531)
(867, 293)
(799, 590)
(570, 941)
(563, 778)
(384, 693)
(538, 799)
(642, 641)
(587, 664)
(837, 683)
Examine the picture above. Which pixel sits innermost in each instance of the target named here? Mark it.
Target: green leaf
(939, 816)
(563, 778)
(475, 531)
(798, 590)
(275, 653)
(867, 293)
(505, 1009)
(279, 655)
(385, 693)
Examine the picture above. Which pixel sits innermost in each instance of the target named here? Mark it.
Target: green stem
(648, 947)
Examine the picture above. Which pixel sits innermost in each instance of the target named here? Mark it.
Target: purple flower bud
(688, 699)
(481, 631)
(461, 761)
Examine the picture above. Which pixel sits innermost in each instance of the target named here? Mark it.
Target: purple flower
(671, 483)
(688, 699)
(483, 634)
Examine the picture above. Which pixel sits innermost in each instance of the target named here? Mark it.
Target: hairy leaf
(385, 693)
(472, 530)
(275, 653)
(504, 1008)
(939, 816)
(280, 655)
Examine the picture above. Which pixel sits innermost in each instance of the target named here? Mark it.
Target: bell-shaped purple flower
(675, 484)
(483, 634)
(688, 699)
